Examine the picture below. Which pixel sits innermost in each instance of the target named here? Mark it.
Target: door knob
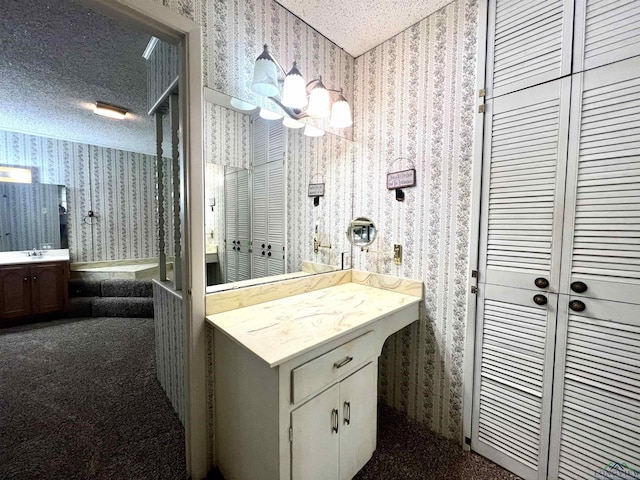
(579, 287)
(541, 282)
(262, 252)
(263, 245)
(269, 247)
(540, 299)
(269, 254)
(577, 306)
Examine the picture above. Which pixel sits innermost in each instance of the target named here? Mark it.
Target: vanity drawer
(321, 371)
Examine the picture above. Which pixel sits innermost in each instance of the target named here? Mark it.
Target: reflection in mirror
(32, 215)
(256, 193)
(361, 232)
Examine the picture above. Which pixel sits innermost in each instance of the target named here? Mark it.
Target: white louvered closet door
(531, 43)
(513, 378)
(602, 215)
(596, 407)
(597, 402)
(606, 31)
(276, 208)
(523, 187)
(244, 226)
(231, 225)
(260, 217)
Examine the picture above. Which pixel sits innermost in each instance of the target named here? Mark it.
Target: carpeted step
(127, 288)
(133, 307)
(80, 307)
(84, 288)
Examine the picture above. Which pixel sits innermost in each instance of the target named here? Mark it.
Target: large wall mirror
(32, 215)
(260, 221)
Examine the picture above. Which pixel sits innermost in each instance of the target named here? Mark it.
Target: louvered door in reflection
(606, 31)
(602, 217)
(513, 378)
(596, 419)
(530, 43)
(523, 186)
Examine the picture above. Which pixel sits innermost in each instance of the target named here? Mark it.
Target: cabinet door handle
(26, 279)
(34, 278)
(342, 363)
(347, 413)
(579, 287)
(577, 306)
(541, 282)
(540, 299)
(334, 420)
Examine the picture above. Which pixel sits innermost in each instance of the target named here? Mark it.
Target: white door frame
(474, 230)
(170, 26)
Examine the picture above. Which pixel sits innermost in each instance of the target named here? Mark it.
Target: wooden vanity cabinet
(33, 289)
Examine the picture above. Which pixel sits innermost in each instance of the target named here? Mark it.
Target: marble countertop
(14, 258)
(280, 330)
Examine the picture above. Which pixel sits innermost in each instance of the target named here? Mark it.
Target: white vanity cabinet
(334, 433)
(296, 381)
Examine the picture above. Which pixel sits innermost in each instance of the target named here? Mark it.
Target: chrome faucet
(35, 253)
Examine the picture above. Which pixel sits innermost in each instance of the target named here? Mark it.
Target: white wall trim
(474, 233)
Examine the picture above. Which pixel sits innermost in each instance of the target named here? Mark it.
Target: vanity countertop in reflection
(16, 258)
(282, 329)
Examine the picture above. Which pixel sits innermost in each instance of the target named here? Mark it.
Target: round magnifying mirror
(361, 232)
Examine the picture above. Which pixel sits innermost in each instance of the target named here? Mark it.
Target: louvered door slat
(603, 185)
(522, 205)
(530, 43)
(514, 357)
(231, 228)
(605, 32)
(597, 407)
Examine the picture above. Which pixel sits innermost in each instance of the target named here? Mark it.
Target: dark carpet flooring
(80, 400)
(407, 450)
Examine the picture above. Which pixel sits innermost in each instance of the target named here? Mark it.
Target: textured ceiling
(359, 25)
(56, 59)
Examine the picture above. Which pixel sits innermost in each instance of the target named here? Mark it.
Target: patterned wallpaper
(118, 186)
(169, 345)
(163, 67)
(414, 100)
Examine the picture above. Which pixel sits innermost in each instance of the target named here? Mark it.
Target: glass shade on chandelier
(319, 101)
(265, 75)
(311, 131)
(341, 113)
(269, 115)
(294, 91)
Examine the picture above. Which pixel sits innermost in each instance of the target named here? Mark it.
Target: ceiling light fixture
(291, 123)
(268, 75)
(311, 131)
(109, 110)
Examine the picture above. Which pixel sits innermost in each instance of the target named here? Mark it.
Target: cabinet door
(48, 284)
(523, 186)
(529, 42)
(259, 215)
(15, 291)
(276, 213)
(606, 31)
(358, 403)
(513, 378)
(596, 405)
(602, 209)
(315, 447)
